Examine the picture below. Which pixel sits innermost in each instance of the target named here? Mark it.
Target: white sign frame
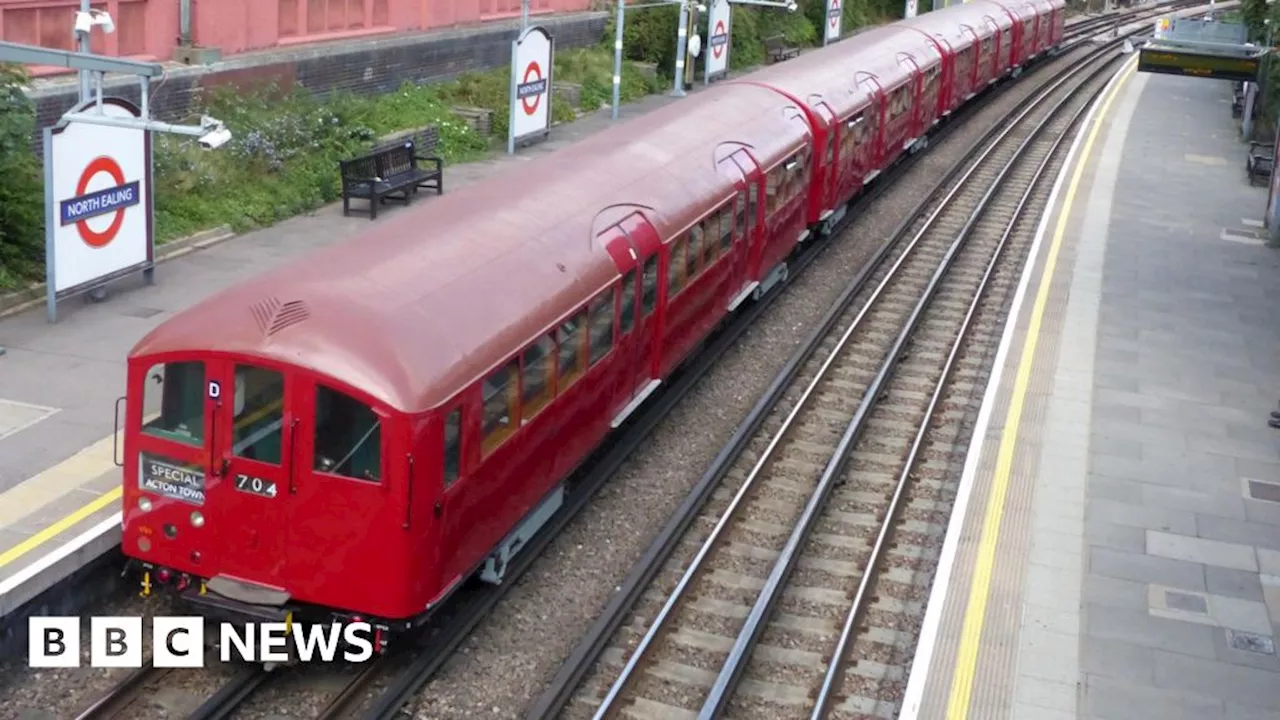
(88, 168)
(834, 17)
(714, 68)
(532, 51)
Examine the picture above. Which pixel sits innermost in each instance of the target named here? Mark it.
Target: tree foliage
(21, 206)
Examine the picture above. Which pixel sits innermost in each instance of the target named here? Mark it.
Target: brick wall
(362, 66)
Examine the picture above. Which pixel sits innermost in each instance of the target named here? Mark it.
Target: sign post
(719, 30)
(834, 13)
(911, 9)
(531, 65)
(98, 203)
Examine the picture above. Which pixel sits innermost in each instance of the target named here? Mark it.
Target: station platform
(1115, 549)
(59, 484)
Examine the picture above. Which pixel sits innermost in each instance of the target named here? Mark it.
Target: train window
(500, 406)
(258, 412)
(649, 289)
(627, 317)
(174, 395)
(753, 205)
(740, 207)
(711, 232)
(572, 357)
(726, 225)
(676, 267)
(602, 309)
(831, 147)
(537, 377)
(348, 438)
(452, 447)
(693, 259)
(772, 189)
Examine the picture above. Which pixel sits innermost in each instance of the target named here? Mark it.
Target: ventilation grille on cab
(274, 316)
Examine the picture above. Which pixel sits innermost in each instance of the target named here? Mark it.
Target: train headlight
(144, 504)
(197, 520)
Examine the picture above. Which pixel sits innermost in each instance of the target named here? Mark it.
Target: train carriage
(421, 398)
(363, 430)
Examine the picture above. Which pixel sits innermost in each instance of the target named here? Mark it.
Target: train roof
(421, 305)
(834, 75)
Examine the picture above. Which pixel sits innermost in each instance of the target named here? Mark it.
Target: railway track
(392, 681)
(815, 543)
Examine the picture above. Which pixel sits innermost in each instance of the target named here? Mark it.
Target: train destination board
(1171, 61)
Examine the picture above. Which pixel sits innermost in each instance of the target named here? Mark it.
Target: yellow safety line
(61, 526)
(976, 610)
(113, 495)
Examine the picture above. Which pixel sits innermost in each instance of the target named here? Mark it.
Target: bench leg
(374, 201)
(346, 206)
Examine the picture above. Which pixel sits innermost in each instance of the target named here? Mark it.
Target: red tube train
(361, 431)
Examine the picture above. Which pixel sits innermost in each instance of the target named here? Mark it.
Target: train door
(871, 152)
(634, 244)
(912, 125)
(751, 253)
(251, 447)
(338, 494)
(744, 224)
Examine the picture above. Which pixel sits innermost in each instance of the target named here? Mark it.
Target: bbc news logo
(178, 642)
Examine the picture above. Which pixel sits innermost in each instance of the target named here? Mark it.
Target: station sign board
(98, 202)
(532, 55)
(831, 31)
(719, 33)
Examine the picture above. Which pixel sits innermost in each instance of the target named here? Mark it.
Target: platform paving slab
(1178, 625)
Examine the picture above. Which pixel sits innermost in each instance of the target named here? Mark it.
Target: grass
(283, 159)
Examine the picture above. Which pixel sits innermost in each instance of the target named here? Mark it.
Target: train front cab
(255, 489)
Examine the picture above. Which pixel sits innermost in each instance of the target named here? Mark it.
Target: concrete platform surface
(1123, 561)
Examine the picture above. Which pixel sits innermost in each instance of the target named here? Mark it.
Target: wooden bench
(392, 171)
(1259, 161)
(778, 50)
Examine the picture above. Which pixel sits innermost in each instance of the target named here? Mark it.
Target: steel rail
(232, 694)
(659, 622)
(835, 667)
(123, 690)
(726, 682)
(584, 655)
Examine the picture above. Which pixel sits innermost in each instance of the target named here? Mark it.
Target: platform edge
(918, 675)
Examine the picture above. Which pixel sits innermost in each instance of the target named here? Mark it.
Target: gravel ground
(506, 662)
(57, 693)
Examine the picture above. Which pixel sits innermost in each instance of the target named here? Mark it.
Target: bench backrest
(397, 159)
(775, 43)
(364, 167)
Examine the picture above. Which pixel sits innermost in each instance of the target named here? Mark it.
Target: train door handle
(439, 508)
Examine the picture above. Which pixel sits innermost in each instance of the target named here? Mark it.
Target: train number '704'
(255, 485)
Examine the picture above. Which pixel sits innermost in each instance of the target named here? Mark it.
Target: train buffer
(393, 172)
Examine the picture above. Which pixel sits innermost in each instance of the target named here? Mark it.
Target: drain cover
(1186, 602)
(1261, 490)
(1251, 642)
(141, 312)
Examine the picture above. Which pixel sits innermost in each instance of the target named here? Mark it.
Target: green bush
(21, 191)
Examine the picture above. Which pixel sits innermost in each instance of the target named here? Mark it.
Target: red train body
(361, 431)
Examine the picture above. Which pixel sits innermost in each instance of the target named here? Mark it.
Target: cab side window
(452, 447)
(348, 438)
